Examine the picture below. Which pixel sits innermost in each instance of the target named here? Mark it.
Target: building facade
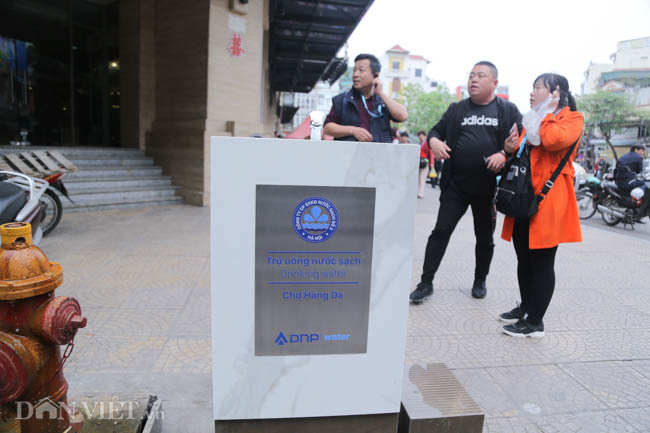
(400, 68)
(160, 75)
(629, 74)
(320, 99)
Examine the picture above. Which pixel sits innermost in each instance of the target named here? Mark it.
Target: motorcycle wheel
(586, 204)
(53, 211)
(610, 220)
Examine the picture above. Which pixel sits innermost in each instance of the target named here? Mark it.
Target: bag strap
(549, 183)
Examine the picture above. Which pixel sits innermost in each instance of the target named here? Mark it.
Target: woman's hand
(512, 140)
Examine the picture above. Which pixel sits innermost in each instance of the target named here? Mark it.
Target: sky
(522, 38)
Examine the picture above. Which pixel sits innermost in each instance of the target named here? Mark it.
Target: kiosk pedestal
(311, 251)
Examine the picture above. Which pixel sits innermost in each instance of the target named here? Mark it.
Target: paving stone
(642, 366)
(485, 392)
(639, 418)
(543, 389)
(185, 354)
(597, 318)
(584, 422)
(122, 355)
(140, 322)
(614, 383)
(510, 425)
(194, 319)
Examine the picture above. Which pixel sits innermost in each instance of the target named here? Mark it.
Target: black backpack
(515, 196)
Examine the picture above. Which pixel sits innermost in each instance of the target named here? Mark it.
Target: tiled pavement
(590, 374)
(142, 277)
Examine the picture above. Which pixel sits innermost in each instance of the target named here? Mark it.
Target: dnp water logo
(315, 219)
(281, 339)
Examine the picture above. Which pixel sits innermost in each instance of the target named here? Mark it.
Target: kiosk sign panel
(313, 261)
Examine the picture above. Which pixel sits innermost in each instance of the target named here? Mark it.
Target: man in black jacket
(364, 112)
(471, 136)
(628, 166)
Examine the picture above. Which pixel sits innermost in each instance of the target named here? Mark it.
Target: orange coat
(556, 220)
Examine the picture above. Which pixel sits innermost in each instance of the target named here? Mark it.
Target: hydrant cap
(11, 232)
(24, 269)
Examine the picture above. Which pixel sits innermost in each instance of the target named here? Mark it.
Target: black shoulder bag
(515, 195)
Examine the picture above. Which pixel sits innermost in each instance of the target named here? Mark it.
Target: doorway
(59, 72)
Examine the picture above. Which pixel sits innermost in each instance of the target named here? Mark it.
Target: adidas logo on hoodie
(480, 121)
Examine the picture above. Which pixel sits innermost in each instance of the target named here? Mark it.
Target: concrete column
(137, 71)
(181, 84)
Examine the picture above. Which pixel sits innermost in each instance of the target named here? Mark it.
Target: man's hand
(440, 149)
(512, 140)
(495, 162)
(362, 134)
(378, 87)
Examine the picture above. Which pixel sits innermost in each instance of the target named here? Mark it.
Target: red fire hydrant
(33, 325)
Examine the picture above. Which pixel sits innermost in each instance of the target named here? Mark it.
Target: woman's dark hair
(552, 82)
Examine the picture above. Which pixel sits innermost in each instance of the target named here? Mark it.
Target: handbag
(423, 162)
(515, 196)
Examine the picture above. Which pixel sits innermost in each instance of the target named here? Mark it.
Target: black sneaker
(523, 328)
(478, 289)
(513, 315)
(422, 291)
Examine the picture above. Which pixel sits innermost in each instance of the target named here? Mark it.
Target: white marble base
(250, 387)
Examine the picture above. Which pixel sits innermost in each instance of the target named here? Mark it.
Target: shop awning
(305, 36)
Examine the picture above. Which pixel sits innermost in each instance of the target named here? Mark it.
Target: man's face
(362, 76)
(422, 137)
(640, 152)
(404, 139)
(481, 83)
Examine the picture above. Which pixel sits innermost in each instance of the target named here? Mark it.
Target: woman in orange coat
(556, 221)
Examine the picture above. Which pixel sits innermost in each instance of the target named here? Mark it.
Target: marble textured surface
(250, 387)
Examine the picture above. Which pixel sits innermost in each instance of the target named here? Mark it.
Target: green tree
(425, 109)
(608, 113)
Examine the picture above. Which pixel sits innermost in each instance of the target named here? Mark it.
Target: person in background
(364, 112)
(536, 238)
(404, 137)
(628, 167)
(395, 133)
(470, 136)
(426, 159)
(625, 175)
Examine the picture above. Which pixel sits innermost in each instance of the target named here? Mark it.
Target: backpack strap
(549, 183)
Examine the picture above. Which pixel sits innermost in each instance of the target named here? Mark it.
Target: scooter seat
(610, 184)
(12, 199)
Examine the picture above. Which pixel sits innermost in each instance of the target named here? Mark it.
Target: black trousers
(453, 205)
(535, 272)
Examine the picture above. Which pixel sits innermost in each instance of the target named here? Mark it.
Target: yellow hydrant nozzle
(16, 233)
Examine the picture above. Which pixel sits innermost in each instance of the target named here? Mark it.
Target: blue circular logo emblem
(315, 219)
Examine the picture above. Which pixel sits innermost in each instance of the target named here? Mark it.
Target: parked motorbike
(616, 207)
(52, 203)
(588, 196)
(20, 200)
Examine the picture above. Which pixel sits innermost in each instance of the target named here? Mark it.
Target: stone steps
(110, 178)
